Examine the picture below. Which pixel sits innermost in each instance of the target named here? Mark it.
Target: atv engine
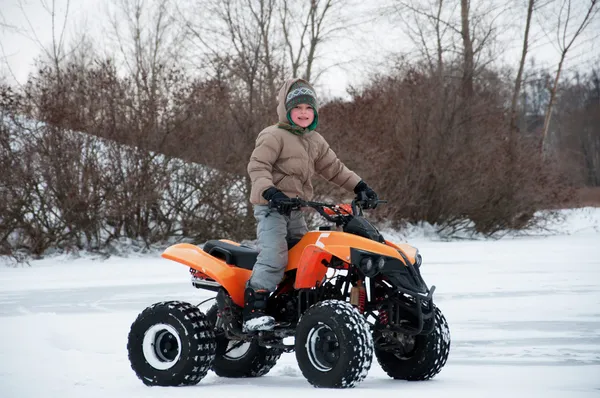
(284, 307)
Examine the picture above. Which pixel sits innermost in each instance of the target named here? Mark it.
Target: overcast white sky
(30, 27)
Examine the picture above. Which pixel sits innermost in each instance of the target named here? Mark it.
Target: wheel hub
(323, 348)
(161, 346)
(166, 346)
(237, 349)
(406, 345)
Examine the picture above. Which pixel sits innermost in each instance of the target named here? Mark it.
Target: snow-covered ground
(524, 314)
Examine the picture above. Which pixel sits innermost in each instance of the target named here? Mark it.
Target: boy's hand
(277, 199)
(368, 192)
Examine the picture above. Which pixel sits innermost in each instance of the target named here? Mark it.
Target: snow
(523, 311)
(261, 323)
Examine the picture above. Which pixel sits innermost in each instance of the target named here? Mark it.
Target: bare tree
(468, 62)
(306, 26)
(430, 25)
(236, 36)
(263, 17)
(148, 40)
(565, 39)
(519, 78)
(439, 32)
(148, 37)
(54, 53)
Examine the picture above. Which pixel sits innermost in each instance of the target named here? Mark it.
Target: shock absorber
(362, 299)
(383, 314)
(358, 296)
(383, 317)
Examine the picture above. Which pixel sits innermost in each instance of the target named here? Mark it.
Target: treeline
(92, 156)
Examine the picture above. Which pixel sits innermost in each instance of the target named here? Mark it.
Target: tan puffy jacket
(288, 161)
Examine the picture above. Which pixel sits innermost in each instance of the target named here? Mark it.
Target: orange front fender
(408, 250)
(233, 279)
(312, 270)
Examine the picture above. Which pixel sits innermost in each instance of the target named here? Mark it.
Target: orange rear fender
(233, 279)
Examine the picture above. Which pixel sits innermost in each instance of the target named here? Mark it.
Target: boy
(284, 160)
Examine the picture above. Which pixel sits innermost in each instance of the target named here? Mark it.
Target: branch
(591, 11)
(586, 21)
(295, 60)
(431, 16)
(32, 29)
(62, 32)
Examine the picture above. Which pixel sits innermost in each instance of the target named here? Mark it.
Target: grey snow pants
(271, 232)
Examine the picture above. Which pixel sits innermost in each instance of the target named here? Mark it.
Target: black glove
(277, 200)
(361, 190)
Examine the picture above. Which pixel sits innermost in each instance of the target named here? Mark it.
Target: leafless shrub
(575, 132)
(409, 136)
(71, 189)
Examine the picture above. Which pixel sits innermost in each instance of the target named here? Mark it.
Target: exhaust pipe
(207, 284)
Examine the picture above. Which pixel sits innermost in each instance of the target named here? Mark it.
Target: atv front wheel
(334, 346)
(240, 358)
(421, 357)
(171, 344)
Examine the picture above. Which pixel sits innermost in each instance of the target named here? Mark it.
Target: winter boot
(255, 304)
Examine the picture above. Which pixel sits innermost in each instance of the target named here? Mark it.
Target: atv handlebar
(357, 207)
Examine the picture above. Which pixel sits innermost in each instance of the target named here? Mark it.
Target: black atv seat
(239, 256)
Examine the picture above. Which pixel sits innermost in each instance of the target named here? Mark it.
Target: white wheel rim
(237, 352)
(154, 333)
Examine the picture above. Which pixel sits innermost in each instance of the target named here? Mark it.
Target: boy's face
(302, 115)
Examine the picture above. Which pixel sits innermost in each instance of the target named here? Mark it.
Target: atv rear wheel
(421, 357)
(171, 344)
(334, 346)
(235, 358)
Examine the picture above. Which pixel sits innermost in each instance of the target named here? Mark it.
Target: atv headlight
(370, 264)
(366, 265)
(380, 263)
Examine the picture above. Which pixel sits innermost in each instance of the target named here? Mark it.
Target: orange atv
(346, 293)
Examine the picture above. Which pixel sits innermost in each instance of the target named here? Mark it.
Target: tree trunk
(468, 63)
(438, 35)
(590, 14)
(513, 110)
(551, 103)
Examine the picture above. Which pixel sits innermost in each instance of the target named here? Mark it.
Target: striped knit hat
(302, 93)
